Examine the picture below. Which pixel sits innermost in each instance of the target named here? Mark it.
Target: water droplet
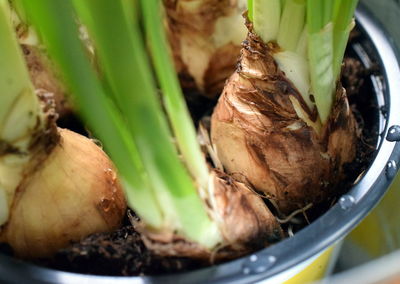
(272, 259)
(253, 258)
(393, 133)
(257, 264)
(391, 169)
(346, 201)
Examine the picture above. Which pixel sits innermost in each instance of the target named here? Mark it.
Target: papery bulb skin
(45, 78)
(205, 38)
(71, 193)
(264, 132)
(244, 221)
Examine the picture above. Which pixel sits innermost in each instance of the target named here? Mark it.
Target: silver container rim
(324, 232)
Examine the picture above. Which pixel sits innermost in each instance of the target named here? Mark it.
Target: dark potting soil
(118, 253)
(122, 252)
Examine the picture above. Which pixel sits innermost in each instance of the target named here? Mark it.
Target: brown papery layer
(190, 32)
(245, 222)
(45, 79)
(259, 136)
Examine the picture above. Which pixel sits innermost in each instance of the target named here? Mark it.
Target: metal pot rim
(318, 236)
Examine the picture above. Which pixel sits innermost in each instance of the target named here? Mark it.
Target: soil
(116, 253)
(122, 252)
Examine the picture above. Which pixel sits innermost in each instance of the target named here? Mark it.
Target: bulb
(71, 193)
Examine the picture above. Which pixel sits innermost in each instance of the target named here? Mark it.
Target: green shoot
(20, 9)
(292, 24)
(317, 32)
(250, 10)
(60, 34)
(343, 19)
(302, 44)
(315, 22)
(123, 60)
(131, 10)
(266, 15)
(173, 97)
(320, 55)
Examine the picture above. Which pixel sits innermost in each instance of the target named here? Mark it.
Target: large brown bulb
(74, 192)
(259, 136)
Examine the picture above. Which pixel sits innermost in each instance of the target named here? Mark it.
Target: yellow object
(314, 271)
(379, 233)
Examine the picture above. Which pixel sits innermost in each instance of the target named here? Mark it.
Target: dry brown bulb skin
(245, 222)
(259, 136)
(205, 38)
(72, 192)
(44, 77)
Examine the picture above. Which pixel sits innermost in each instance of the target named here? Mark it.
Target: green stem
(302, 44)
(328, 24)
(127, 71)
(343, 19)
(20, 9)
(328, 11)
(250, 10)
(315, 22)
(292, 24)
(173, 97)
(320, 55)
(266, 16)
(60, 35)
(131, 10)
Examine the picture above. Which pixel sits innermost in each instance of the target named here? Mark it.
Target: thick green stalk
(283, 3)
(320, 55)
(20, 9)
(322, 43)
(292, 24)
(315, 22)
(250, 10)
(175, 104)
(131, 10)
(328, 11)
(344, 23)
(302, 44)
(266, 16)
(123, 59)
(60, 35)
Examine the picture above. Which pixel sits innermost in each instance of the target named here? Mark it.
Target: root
(133, 219)
(276, 207)
(306, 217)
(294, 213)
(203, 132)
(214, 253)
(290, 231)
